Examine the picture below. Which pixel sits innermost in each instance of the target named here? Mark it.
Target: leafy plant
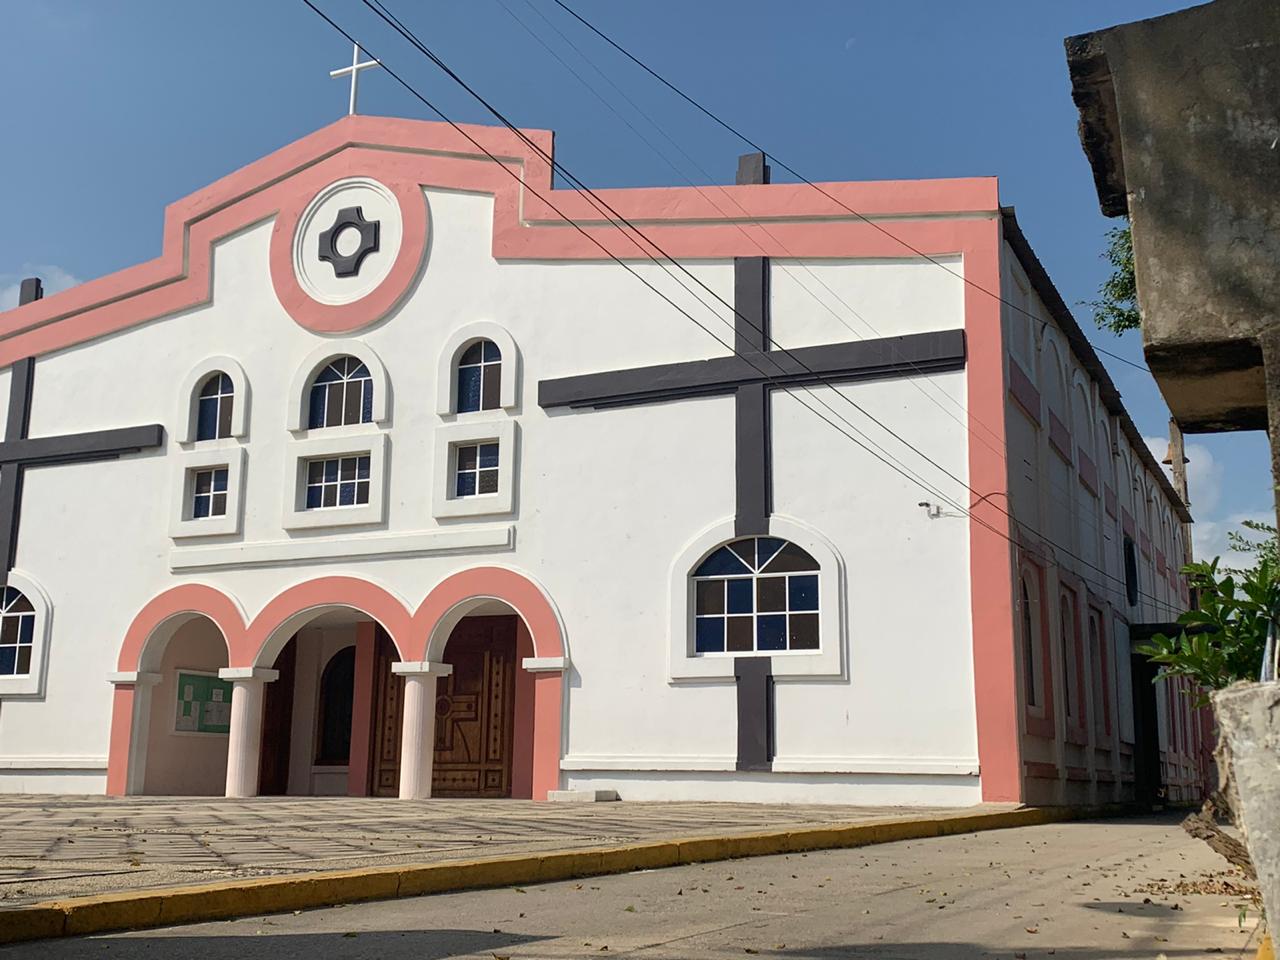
(1117, 310)
(1267, 548)
(1222, 641)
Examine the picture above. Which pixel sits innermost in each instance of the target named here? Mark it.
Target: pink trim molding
(1126, 523)
(1160, 563)
(1088, 471)
(1059, 437)
(1109, 497)
(412, 154)
(1145, 544)
(1024, 391)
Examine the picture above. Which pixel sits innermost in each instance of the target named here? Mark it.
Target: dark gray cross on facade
(753, 371)
(18, 452)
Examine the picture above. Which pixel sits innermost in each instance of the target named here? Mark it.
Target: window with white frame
(756, 595)
(479, 377)
(337, 482)
(209, 492)
(475, 469)
(17, 633)
(214, 407)
(342, 393)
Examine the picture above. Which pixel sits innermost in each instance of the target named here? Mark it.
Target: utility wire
(406, 33)
(803, 179)
(878, 453)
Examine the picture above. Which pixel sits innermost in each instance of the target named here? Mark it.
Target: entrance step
(581, 796)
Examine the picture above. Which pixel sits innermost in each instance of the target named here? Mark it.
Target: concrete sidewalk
(59, 846)
(245, 857)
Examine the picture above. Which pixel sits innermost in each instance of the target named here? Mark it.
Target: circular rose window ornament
(347, 241)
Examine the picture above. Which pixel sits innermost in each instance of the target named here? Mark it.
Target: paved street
(1076, 891)
(67, 846)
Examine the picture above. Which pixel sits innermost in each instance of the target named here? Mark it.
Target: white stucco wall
(604, 501)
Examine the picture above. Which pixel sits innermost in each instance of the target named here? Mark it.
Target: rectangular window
(476, 469)
(764, 614)
(209, 493)
(337, 482)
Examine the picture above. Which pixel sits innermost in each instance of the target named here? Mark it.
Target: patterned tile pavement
(56, 846)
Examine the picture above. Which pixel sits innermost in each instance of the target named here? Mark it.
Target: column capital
(248, 673)
(545, 664)
(138, 678)
(431, 668)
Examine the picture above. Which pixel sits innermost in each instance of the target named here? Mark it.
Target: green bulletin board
(204, 704)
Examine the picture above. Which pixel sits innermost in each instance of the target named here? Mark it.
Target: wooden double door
(475, 713)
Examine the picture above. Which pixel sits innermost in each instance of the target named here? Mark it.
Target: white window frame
(451, 436)
(31, 686)
(829, 660)
(188, 416)
(447, 370)
(183, 525)
(300, 389)
(349, 441)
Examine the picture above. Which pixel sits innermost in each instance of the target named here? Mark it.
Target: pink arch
(360, 595)
(527, 599)
(190, 598)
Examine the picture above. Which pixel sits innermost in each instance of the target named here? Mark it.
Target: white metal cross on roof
(354, 71)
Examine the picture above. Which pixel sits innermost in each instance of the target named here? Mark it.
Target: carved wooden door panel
(388, 695)
(475, 710)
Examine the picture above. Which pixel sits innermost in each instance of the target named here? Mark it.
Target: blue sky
(126, 107)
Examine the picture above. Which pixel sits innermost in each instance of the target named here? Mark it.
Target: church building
(401, 472)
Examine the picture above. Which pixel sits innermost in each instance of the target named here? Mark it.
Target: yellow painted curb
(222, 900)
(1265, 949)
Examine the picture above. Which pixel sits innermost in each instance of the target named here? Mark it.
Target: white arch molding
(188, 413)
(300, 386)
(447, 366)
(828, 660)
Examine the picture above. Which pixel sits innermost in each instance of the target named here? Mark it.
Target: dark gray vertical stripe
(751, 460)
(755, 712)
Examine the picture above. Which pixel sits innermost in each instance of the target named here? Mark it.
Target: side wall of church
(604, 502)
(1079, 491)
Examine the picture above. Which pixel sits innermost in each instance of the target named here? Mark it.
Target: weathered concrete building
(1180, 119)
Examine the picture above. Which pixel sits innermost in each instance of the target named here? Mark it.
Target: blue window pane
(26, 630)
(803, 593)
(346, 494)
(362, 468)
(220, 480)
(473, 353)
(200, 508)
(316, 416)
(721, 563)
(709, 636)
(491, 351)
(488, 455)
(771, 633)
(330, 373)
(8, 660)
(207, 420)
(10, 595)
(766, 547)
(331, 470)
(740, 593)
(366, 403)
(359, 371)
(313, 497)
(468, 389)
(466, 485)
(224, 384)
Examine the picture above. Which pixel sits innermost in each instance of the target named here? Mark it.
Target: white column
(245, 746)
(418, 736)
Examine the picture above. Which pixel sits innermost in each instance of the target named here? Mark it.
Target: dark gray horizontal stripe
(853, 360)
(96, 445)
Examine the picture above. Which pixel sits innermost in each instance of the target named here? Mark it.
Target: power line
(799, 176)
(878, 453)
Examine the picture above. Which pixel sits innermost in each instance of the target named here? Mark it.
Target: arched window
(1130, 572)
(479, 377)
(1029, 646)
(214, 407)
(756, 595)
(341, 393)
(17, 633)
(337, 693)
(1068, 636)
